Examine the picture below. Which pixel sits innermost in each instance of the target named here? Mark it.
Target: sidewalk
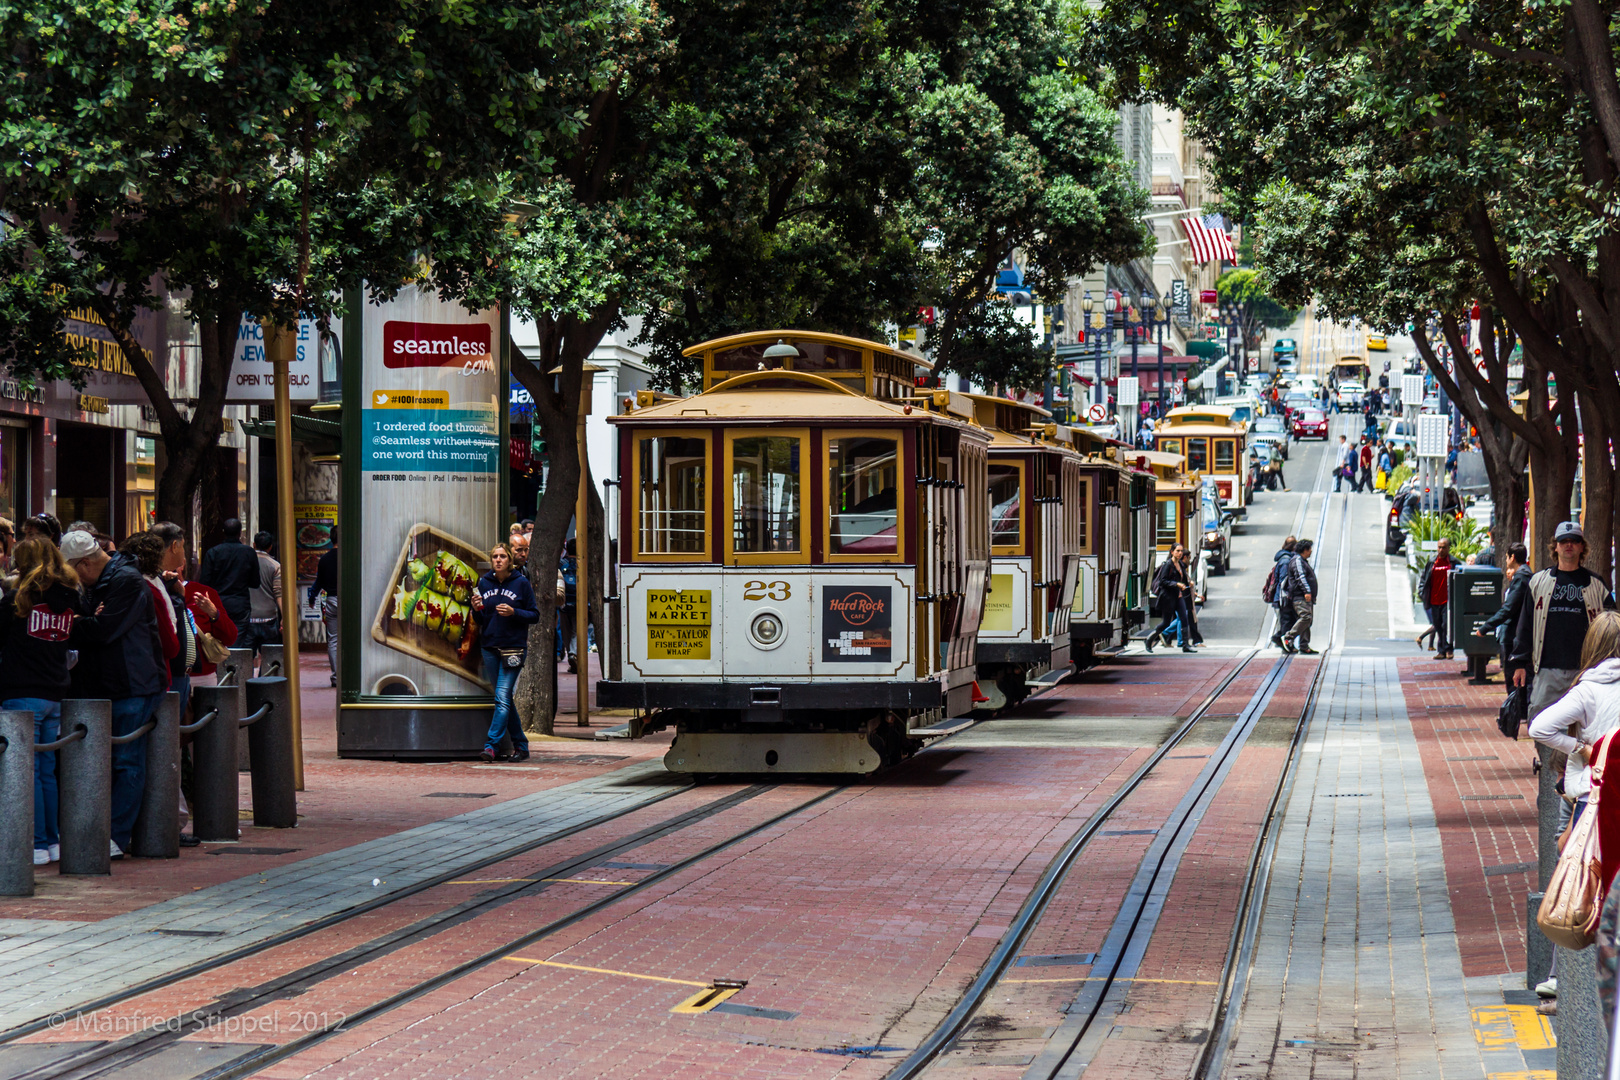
(1392, 938)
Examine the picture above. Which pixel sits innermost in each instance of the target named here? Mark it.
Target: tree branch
(1521, 56)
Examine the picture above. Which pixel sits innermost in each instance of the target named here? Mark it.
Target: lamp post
(1161, 316)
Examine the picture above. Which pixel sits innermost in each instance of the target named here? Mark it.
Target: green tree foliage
(911, 150)
(1245, 288)
(154, 149)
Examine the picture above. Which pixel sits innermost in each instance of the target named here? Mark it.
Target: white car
(1350, 395)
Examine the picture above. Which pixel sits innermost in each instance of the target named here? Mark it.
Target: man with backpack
(1300, 585)
(264, 599)
(1274, 595)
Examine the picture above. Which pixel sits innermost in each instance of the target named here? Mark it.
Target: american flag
(1209, 238)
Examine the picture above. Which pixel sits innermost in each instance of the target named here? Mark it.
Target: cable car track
(1069, 1048)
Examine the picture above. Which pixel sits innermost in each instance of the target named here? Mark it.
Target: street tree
(1242, 289)
(228, 159)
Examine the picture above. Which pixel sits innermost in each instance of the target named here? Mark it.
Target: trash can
(1474, 594)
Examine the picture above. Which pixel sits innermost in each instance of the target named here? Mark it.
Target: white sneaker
(116, 851)
(41, 856)
(1548, 989)
(56, 852)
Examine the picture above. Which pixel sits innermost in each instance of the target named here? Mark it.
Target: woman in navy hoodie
(503, 603)
(35, 620)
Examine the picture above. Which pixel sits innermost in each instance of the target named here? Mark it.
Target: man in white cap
(1562, 602)
(120, 658)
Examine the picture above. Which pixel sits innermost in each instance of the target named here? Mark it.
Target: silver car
(1272, 430)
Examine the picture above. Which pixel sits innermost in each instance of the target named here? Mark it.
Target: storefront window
(673, 493)
(11, 440)
(765, 495)
(1006, 507)
(864, 478)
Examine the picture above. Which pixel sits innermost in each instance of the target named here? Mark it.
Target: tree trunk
(1597, 486)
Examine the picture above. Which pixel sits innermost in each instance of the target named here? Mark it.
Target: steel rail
(254, 1062)
(192, 970)
(1035, 903)
(122, 1053)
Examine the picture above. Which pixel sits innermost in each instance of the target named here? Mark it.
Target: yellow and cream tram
(1212, 443)
(803, 557)
(1178, 512)
(1113, 510)
(1035, 528)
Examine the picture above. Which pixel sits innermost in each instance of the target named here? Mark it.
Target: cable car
(1178, 514)
(1115, 508)
(1212, 443)
(804, 557)
(1035, 530)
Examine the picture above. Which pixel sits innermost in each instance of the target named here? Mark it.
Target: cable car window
(1005, 505)
(765, 494)
(1225, 456)
(1198, 455)
(1170, 446)
(673, 512)
(1164, 523)
(864, 481)
(819, 356)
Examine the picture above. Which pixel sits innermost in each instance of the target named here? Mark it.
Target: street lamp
(1086, 304)
(1161, 316)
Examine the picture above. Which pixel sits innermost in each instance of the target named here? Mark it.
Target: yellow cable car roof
(791, 336)
(785, 396)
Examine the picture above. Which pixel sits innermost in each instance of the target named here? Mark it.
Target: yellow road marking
(606, 971)
(1498, 1027)
(704, 1000)
(1533, 1074)
(1082, 978)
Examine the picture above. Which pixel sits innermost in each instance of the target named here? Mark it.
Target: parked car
(1350, 395)
(1405, 505)
(1401, 434)
(1311, 424)
(1272, 430)
(1295, 401)
(1217, 530)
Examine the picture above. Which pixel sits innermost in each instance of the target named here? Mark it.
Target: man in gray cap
(121, 658)
(1561, 603)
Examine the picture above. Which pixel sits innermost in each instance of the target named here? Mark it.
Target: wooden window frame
(1176, 521)
(1023, 507)
(731, 557)
(1214, 442)
(636, 437)
(1086, 526)
(901, 517)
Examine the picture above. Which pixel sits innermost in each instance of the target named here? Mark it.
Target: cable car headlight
(767, 630)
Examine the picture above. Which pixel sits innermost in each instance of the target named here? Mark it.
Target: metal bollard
(275, 797)
(17, 807)
(157, 828)
(84, 784)
(213, 749)
(236, 669)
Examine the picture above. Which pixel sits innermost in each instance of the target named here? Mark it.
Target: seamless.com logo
(416, 345)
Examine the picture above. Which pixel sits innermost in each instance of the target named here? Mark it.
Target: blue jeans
(47, 724)
(129, 764)
(505, 721)
(181, 684)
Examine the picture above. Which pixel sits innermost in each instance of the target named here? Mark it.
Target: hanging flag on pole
(1209, 238)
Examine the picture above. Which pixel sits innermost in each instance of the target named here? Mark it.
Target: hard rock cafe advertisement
(429, 492)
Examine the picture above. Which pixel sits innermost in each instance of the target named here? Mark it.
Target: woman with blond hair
(35, 619)
(1588, 711)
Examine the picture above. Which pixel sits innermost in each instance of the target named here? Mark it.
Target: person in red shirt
(1432, 590)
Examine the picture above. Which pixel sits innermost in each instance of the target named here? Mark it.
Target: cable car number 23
(762, 590)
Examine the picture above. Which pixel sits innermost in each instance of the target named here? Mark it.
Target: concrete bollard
(157, 828)
(84, 783)
(237, 669)
(270, 657)
(1538, 950)
(275, 797)
(1583, 1041)
(17, 807)
(213, 750)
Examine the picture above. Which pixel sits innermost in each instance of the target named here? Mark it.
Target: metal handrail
(120, 740)
(202, 722)
(258, 714)
(273, 667)
(45, 748)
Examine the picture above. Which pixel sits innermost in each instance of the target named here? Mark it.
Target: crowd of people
(83, 617)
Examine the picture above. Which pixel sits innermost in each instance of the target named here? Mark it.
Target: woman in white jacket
(1586, 713)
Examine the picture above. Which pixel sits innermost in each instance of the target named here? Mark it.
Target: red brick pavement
(865, 916)
(345, 802)
(1453, 720)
